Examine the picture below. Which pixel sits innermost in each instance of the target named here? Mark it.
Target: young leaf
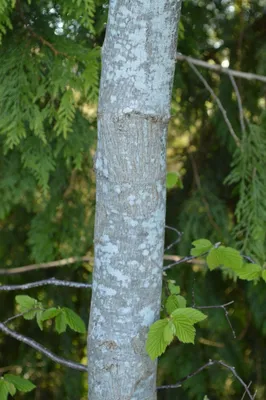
(249, 272)
(213, 259)
(60, 322)
(74, 321)
(192, 316)
(224, 256)
(156, 344)
(11, 388)
(24, 385)
(201, 246)
(185, 331)
(169, 332)
(50, 313)
(173, 288)
(39, 319)
(264, 275)
(25, 302)
(230, 258)
(4, 389)
(173, 302)
(183, 319)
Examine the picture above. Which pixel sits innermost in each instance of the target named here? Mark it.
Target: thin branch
(219, 69)
(40, 348)
(239, 102)
(222, 306)
(209, 364)
(180, 261)
(177, 240)
(242, 398)
(34, 34)
(52, 264)
(46, 282)
(218, 102)
(20, 315)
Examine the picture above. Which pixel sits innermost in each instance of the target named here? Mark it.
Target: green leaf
(249, 272)
(39, 319)
(173, 288)
(264, 275)
(171, 180)
(24, 385)
(50, 313)
(183, 319)
(74, 321)
(11, 388)
(60, 322)
(224, 256)
(184, 330)
(156, 344)
(169, 332)
(192, 315)
(173, 302)
(213, 259)
(25, 302)
(4, 389)
(201, 246)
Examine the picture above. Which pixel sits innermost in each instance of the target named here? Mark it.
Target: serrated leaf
(213, 259)
(224, 256)
(30, 315)
(11, 388)
(60, 322)
(4, 389)
(264, 275)
(249, 272)
(201, 246)
(24, 385)
(173, 302)
(185, 331)
(50, 313)
(156, 344)
(174, 289)
(74, 321)
(191, 314)
(169, 332)
(25, 302)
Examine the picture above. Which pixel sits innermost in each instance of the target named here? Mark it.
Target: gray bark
(138, 60)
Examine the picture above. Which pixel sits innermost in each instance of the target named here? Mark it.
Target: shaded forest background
(49, 79)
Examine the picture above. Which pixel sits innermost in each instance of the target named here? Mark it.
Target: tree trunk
(138, 61)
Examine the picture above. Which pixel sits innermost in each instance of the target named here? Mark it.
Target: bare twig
(219, 69)
(223, 306)
(52, 264)
(45, 282)
(242, 398)
(40, 348)
(21, 314)
(218, 102)
(177, 240)
(209, 364)
(239, 102)
(180, 261)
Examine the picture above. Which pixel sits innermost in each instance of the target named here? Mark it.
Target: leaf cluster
(63, 317)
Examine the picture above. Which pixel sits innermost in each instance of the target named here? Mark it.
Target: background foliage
(49, 74)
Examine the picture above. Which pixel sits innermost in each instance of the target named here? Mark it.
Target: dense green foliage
(49, 74)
